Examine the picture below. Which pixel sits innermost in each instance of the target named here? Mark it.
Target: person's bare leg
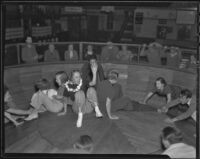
(19, 111)
(9, 117)
(92, 97)
(51, 105)
(78, 106)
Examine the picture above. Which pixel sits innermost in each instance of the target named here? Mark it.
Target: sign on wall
(185, 17)
(14, 33)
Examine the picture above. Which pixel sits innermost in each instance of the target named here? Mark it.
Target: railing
(13, 54)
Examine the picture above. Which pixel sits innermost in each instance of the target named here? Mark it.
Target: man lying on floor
(180, 108)
(111, 99)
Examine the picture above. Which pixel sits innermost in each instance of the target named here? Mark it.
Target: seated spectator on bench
(11, 110)
(124, 55)
(51, 54)
(89, 52)
(29, 53)
(180, 108)
(154, 53)
(109, 52)
(172, 140)
(71, 54)
(174, 57)
(164, 90)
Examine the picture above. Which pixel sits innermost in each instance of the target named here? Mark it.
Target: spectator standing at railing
(109, 52)
(124, 55)
(71, 54)
(29, 53)
(51, 54)
(154, 53)
(174, 56)
(89, 52)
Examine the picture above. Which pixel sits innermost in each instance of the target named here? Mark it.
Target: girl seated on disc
(82, 102)
(45, 100)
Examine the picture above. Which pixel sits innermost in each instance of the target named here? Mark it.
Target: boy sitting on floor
(185, 107)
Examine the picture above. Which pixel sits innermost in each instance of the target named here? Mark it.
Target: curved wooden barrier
(135, 79)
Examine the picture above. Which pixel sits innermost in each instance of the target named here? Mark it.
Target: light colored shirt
(71, 55)
(180, 150)
(51, 56)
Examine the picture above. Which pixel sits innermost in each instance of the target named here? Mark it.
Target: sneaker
(98, 112)
(31, 117)
(79, 121)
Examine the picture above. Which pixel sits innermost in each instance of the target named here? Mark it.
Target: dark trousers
(126, 104)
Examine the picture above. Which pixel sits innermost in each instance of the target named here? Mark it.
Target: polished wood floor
(141, 130)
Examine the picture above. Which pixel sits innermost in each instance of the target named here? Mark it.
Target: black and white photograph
(100, 78)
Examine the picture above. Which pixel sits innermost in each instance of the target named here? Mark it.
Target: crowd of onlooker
(153, 53)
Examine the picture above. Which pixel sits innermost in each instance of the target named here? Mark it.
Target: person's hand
(61, 113)
(57, 97)
(168, 120)
(142, 102)
(94, 68)
(114, 117)
(162, 110)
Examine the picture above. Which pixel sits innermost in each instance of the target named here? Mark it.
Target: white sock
(98, 112)
(80, 119)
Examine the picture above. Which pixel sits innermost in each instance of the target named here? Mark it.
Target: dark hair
(84, 142)
(186, 93)
(74, 71)
(63, 76)
(172, 134)
(42, 84)
(162, 80)
(92, 57)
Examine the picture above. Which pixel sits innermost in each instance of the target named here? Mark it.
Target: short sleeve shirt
(165, 91)
(168, 89)
(105, 90)
(118, 91)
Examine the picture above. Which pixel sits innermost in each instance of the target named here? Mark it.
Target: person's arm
(149, 95)
(108, 109)
(94, 79)
(169, 97)
(64, 110)
(169, 105)
(94, 69)
(186, 114)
